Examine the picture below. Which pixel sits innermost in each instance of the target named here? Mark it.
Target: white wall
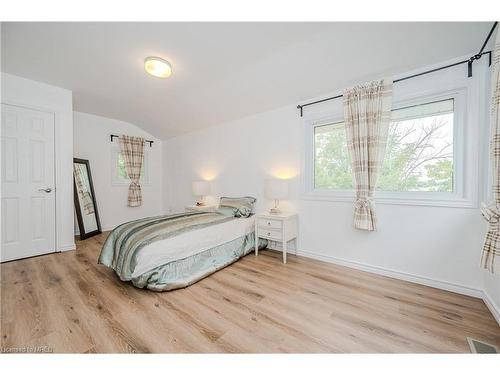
(492, 293)
(433, 245)
(92, 142)
(24, 92)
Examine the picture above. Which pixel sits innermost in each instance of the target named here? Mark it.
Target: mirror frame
(83, 234)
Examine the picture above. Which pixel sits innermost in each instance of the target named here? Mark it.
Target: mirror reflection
(85, 206)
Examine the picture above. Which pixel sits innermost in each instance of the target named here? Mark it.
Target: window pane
(419, 153)
(332, 168)
(122, 171)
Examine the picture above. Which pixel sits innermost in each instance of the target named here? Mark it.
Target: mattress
(173, 251)
(190, 243)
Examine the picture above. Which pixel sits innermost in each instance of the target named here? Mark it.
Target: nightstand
(280, 227)
(206, 208)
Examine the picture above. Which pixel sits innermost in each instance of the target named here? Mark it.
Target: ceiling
(221, 71)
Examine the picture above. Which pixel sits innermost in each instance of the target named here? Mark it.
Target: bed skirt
(184, 272)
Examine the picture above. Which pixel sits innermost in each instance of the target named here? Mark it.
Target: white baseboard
(492, 306)
(291, 247)
(77, 233)
(452, 287)
(66, 248)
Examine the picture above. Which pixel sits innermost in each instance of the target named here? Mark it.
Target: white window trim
(116, 180)
(465, 194)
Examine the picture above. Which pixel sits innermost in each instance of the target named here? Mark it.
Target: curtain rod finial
(300, 107)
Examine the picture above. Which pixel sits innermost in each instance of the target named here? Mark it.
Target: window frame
(116, 180)
(464, 194)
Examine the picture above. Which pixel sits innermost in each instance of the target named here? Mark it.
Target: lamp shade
(200, 188)
(276, 189)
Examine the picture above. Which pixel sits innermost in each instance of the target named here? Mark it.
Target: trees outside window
(419, 155)
(120, 176)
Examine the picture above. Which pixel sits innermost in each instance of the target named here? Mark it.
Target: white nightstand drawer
(270, 223)
(280, 227)
(270, 234)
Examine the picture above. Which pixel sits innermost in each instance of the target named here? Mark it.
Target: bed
(174, 251)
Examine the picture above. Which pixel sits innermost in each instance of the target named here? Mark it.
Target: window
(332, 167)
(120, 176)
(419, 154)
(428, 160)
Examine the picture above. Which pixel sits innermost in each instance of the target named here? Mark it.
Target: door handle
(47, 190)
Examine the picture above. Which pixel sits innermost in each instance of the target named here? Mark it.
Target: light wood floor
(70, 304)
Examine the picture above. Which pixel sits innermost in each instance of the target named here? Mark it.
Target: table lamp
(276, 189)
(200, 189)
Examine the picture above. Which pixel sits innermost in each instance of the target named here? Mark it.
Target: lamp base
(275, 211)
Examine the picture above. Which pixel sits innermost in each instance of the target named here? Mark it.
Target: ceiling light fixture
(158, 67)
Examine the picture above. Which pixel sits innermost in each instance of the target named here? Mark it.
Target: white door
(28, 183)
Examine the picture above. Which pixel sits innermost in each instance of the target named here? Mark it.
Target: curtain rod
(469, 62)
(117, 136)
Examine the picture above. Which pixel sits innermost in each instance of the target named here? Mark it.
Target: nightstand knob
(268, 233)
(268, 223)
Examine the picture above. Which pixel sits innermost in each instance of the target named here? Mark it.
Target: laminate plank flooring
(69, 303)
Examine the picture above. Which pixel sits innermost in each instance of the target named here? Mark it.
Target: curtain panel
(132, 149)
(367, 114)
(491, 212)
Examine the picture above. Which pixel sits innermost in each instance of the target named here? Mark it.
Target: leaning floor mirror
(85, 202)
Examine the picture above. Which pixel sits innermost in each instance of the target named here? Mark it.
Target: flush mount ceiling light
(158, 67)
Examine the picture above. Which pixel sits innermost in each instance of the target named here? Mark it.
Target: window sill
(404, 199)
